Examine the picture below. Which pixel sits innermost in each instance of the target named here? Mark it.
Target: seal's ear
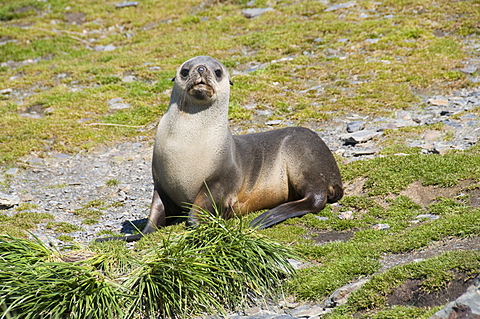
(231, 83)
(173, 79)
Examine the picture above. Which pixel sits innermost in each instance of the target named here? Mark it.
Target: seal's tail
(335, 193)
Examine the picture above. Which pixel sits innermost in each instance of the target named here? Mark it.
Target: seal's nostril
(201, 69)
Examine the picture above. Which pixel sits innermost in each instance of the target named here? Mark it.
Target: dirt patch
(355, 187)
(411, 292)
(425, 195)
(474, 197)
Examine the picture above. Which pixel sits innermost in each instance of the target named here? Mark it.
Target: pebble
(105, 48)
(118, 104)
(427, 216)
(255, 12)
(273, 122)
(381, 227)
(126, 4)
(346, 215)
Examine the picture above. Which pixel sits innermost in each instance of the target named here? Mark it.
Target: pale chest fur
(187, 152)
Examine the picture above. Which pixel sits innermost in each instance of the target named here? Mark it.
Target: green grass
(90, 78)
(73, 83)
(219, 264)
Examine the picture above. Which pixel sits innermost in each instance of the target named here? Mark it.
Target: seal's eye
(184, 72)
(218, 73)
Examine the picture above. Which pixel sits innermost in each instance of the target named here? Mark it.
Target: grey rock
(355, 126)
(273, 122)
(359, 137)
(338, 6)
(255, 12)
(6, 91)
(467, 304)
(126, 4)
(309, 311)
(12, 171)
(345, 215)
(118, 104)
(109, 47)
(427, 216)
(438, 102)
(364, 152)
(8, 201)
(339, 297)
(128, 78)
(470, 69)
(381, 227)
(371, 41)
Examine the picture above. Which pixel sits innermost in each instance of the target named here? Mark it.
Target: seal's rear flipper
(268, 220)
(128, 239)
(311, 203)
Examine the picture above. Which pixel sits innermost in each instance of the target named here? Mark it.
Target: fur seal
(289, 171)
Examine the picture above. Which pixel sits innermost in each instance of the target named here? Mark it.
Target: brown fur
(197, 161)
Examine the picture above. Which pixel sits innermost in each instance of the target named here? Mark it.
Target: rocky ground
(115, 181)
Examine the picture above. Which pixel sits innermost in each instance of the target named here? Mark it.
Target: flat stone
(109, 47)
(338, 6)
(360, 136)
(309, 312)
(8, 201)
(427, 216)
(438, 102)
(126, 4)
(6, 91)
(431, 135)
(255, 12)
(273, 122)
(364, 152)
(12, 171)
(404, 123)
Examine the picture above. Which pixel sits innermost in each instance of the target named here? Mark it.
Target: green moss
(87, 213)
(22, 220)
(62, 227)
(25, 206)
(112, 182)
(391, 174)
(95, 203)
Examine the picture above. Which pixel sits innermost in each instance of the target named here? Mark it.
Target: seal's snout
(201, 83)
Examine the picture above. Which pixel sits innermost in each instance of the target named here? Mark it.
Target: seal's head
(201, 77)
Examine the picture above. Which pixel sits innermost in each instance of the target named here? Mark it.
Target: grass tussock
(216, 267)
